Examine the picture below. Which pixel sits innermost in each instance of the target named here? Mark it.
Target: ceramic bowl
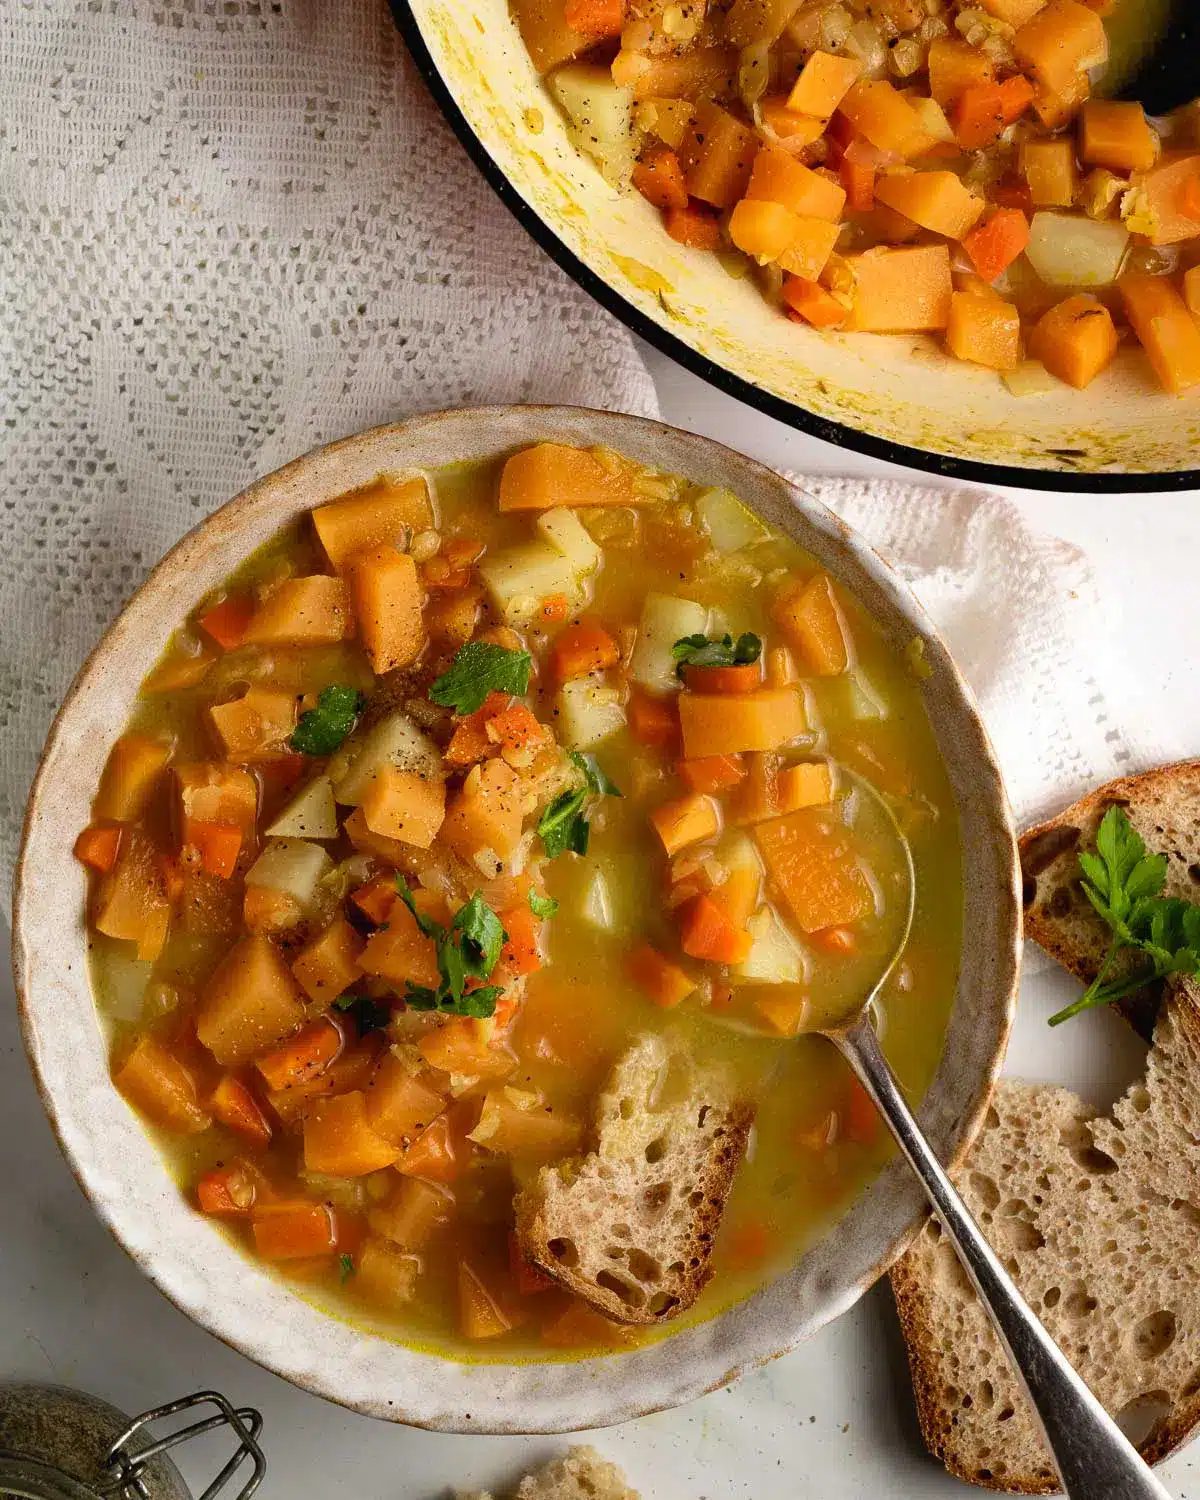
(121, 1171)
(899, 398)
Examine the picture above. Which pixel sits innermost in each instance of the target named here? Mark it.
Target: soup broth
(693, 853)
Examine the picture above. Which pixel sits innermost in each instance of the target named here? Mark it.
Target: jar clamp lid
(59, 1444)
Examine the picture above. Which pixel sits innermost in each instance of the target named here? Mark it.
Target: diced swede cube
(394, 741)
(1070, 250)
(519, 578)
(597, 907)
(588, 712)
(730, 525)
(292, 866)
(775, 956)
(311, 814)
(567, 534)
(665, 620)
(601, 116)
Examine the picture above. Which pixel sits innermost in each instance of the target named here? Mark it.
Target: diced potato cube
(293, 866)
(565, 532)
(394, 741)
(588, 712)
(311, 814)
(601, 116)
(665, 620)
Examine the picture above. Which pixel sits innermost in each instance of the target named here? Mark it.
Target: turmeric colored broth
(259, 985)
(948, 167)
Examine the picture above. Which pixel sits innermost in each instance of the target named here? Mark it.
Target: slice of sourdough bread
(581, 1475)
(630, 1227)
(1164, 807)
(1096, 1219)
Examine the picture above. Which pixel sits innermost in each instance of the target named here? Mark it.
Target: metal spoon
(1094, 1458)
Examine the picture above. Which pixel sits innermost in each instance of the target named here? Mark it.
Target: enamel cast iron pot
(895, 397)
(118, 1165)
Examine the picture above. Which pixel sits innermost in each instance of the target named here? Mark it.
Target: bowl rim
(571, 1404)
(839, 434)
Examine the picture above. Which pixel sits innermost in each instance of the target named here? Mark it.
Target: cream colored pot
(121, 1171)
(896, 397)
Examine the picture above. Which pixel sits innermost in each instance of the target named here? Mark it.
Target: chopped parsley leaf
(480, 668)
(322, 729)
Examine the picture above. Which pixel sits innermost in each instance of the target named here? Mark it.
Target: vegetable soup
(457, 789)
(901, 166)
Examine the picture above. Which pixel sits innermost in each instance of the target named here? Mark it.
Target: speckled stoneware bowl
(897, 397)
(190, 1261)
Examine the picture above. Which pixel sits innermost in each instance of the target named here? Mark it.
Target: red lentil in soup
(454, 790)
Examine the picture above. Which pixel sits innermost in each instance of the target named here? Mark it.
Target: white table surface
(834, 1421)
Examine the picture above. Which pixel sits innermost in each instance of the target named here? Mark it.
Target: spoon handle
(1094, 1458)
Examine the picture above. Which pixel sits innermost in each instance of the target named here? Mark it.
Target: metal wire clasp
(128, 1467)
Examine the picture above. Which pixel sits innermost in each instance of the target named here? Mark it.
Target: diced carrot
(994, 245)
(518, 732)
(376, 899)
(1164, 327)
(527, 1278)
(954, 67)
(717, 156)
(859, 1118)
(442, 1152)
(406, 805)
(839, 940)
(685, 821)
(783, 1007)
(822, 84)
(665, 983)
(935, 200)
(340, 1140)
(720, 724)
(521, 953)
(1065, 38)
(809, 784)
(236, 1107)
(582, 648)
(811, 862)
(97, 846)
(711, 773)
(737, 895)
(232, 1191)
(1189, 198)
(268, 910)
(984, 330)
(130, 775)
(809, 614)
(652, 721)
(813, 303)
(294, 1231)
(218, 845)
(388, 602)
(697, 228)
(226, 622)
(705, 932)
(899, 291)
(302, 1057)
(547, 475)
(880, 112)
(480, 1315)
(554, 609)
(738, 679)
(381, 514)
(595, 18)
(658, 176)
(860, 164)
(470, 742)
(1116, 134)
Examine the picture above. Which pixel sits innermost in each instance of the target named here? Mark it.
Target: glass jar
(59, 1444)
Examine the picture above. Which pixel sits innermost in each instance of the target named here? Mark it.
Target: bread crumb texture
(1096, 1219)
(581, 1475)
(630, 1227)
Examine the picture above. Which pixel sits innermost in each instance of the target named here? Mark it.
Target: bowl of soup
(417, 790)
(923, 231)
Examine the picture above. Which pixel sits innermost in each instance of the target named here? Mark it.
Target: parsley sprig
(716, 651)
(1124, 885)
(468, 949)
(563, 826)
(322, 729)
(480, 668)
(369, 1014)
